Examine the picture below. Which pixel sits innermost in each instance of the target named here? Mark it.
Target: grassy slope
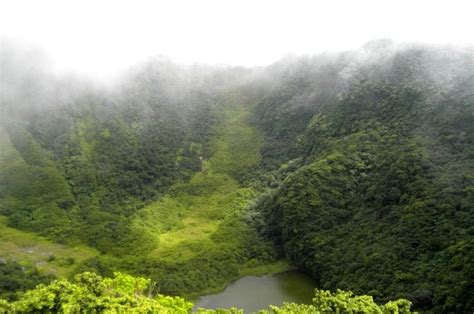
(48, 257)
(185, 223)
(184, 220)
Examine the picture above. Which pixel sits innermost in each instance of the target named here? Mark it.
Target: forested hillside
(355, 167)
(149, 176)
(375, 192)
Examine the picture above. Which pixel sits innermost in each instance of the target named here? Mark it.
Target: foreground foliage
(343, 302)
(89, 292)
(123, 293)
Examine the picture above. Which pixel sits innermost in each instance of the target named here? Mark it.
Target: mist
(29, 82)
(103, 39)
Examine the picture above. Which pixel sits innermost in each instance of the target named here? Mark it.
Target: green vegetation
(356, 168)
(15, 279)
(211, 197)
(344, 302)
(192, 238)
(33, 250)
(205, 236)
(34, 194)
(379, 199)
(89, 292)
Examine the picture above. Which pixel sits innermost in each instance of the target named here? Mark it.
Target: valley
(180, 182)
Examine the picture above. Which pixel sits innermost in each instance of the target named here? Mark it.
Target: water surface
(252, 293)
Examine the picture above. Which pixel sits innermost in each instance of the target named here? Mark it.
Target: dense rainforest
(354, 167)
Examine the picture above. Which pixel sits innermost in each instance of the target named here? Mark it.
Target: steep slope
(33, 192)
(30, 186)
(188, 234)
(380, 198)
(93, 157)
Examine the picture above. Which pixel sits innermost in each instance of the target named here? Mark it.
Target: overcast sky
(101, 37)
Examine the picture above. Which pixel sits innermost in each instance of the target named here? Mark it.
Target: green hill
(379, 197)
(355, 167)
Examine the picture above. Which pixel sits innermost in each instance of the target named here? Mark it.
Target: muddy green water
(252, 293)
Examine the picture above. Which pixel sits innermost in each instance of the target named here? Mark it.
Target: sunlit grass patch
(195, 209)
(48, 257)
